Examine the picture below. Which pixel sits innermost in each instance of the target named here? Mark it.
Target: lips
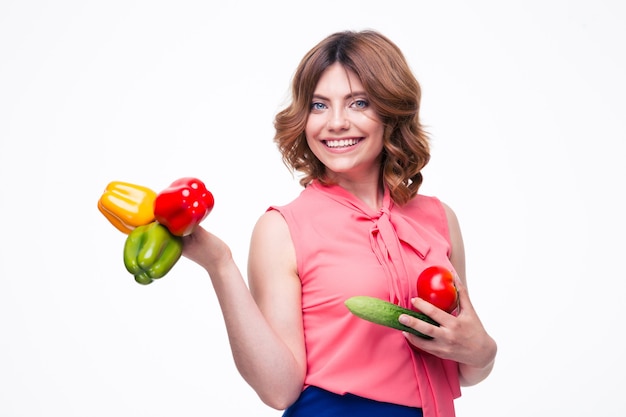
(341, 143)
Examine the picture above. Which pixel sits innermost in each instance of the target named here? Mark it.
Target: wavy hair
(392, 90)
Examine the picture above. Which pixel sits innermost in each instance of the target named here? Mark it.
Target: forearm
(472, 374)
(262, 358)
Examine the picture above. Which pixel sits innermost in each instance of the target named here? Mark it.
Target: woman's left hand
(461, 338)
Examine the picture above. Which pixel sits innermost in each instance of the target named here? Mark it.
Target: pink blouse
(344, 248)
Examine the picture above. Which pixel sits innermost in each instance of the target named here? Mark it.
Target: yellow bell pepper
(127, 205)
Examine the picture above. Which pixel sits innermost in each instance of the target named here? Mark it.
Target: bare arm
(263, 321)
(462, 338)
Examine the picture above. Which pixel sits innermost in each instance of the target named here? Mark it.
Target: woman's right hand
(206, 249)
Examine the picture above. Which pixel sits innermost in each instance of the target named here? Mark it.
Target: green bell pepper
(151, 251)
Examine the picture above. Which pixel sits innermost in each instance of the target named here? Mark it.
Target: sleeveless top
(343, 249)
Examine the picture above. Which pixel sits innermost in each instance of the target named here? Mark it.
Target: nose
(338, 119)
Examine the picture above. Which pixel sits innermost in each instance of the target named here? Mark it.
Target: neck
(371, 193)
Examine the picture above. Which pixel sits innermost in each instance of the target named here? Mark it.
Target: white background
(525, 104)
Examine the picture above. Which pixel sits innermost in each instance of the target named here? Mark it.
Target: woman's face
(343, 130)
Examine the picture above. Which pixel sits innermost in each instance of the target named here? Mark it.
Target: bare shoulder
(270, 232)
(453, 221)
(272, 254)
(269, 220)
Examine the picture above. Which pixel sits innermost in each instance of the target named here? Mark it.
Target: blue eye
(361, 104)
(317, 106)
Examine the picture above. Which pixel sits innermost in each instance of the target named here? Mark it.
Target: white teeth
(340, 143)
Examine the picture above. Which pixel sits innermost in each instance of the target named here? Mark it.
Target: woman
(359, 227)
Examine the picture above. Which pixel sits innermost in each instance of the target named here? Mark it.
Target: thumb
(464, 300)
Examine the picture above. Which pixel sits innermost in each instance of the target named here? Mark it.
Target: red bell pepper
(183, 205)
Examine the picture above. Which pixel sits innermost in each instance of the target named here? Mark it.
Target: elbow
(279, 401)
(279, 395)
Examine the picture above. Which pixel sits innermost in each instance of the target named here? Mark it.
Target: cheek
(313, 127)
(371, 123)
(311, 134)
(376, 131)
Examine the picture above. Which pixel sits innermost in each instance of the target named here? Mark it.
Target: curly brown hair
(394, 93)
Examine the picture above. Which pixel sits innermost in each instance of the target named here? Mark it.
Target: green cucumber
(385, 313)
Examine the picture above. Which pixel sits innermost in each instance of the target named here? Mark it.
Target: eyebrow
(346, 97)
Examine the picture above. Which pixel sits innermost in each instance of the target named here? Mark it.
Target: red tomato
(436, 285)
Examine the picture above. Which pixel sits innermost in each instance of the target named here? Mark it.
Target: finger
(423, 327)
(418, 343)
(430, 310)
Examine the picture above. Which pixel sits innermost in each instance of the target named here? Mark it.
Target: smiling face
(343, 131)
